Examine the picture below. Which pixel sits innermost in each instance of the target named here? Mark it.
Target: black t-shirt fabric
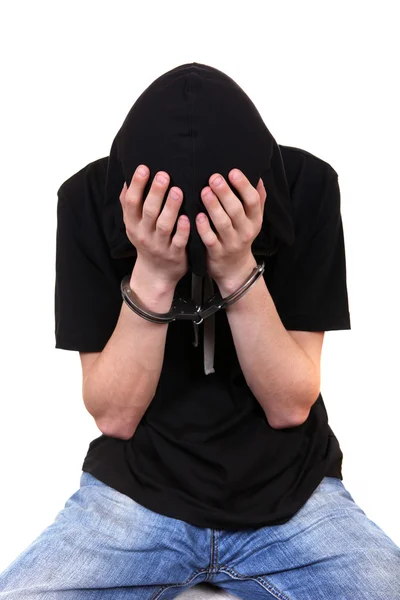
(204, 451)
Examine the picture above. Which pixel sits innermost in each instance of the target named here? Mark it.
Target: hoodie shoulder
(90, 177)
(297, 159)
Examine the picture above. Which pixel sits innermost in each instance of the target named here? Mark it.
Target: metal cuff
(187, 309)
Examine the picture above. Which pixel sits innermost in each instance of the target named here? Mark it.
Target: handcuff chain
(212, 305)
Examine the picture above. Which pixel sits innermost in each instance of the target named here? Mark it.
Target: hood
(191, 122)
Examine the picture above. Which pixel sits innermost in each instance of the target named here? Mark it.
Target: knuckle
(141, 238)
(248, 239)
(149, 212)
(236, 212)
(130, 197)
(248, 236)
(254, 198)
(178, 243)
(225, 224)
(162, 227)
(235, 248)
(211, 242)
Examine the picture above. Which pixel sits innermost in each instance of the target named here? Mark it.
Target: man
(216, 461)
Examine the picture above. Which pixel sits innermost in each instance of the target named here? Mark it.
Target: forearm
(122, 382)
(279, 373)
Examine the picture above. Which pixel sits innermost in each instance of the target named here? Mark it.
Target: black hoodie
(204, 451)
(191, 122)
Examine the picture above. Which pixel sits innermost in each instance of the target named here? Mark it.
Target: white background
(323, 76)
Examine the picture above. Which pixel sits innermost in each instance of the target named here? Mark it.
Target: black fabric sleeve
(315, 297)
(87, 298)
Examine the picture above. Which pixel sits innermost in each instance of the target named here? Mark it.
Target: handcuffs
(187, 309)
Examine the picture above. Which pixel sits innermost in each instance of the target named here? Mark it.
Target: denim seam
(164, 588)
(212, 554)
(260, 580)
(213, 568)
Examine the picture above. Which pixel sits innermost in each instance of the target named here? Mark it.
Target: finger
(232, 205)
(153, 201)
(220, 218)
(209, 238)
(249, 194)
(181, 236)
(262, 192)
(123, 192)
(131, 198)
(167, 219)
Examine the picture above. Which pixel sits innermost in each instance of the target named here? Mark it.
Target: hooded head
(191, 122)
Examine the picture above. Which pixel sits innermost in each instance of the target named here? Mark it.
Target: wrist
(231, 283)
(143, 277)
(154, 294)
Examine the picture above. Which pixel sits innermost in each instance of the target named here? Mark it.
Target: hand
(229, 256)
(164, 259)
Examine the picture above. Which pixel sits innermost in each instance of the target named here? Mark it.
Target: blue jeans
(103, 544)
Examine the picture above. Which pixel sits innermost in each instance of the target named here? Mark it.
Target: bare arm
(283, 376)
(120, 384)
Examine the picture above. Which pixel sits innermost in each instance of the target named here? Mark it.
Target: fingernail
(161, 179)
(235, 175)
(142, 171)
